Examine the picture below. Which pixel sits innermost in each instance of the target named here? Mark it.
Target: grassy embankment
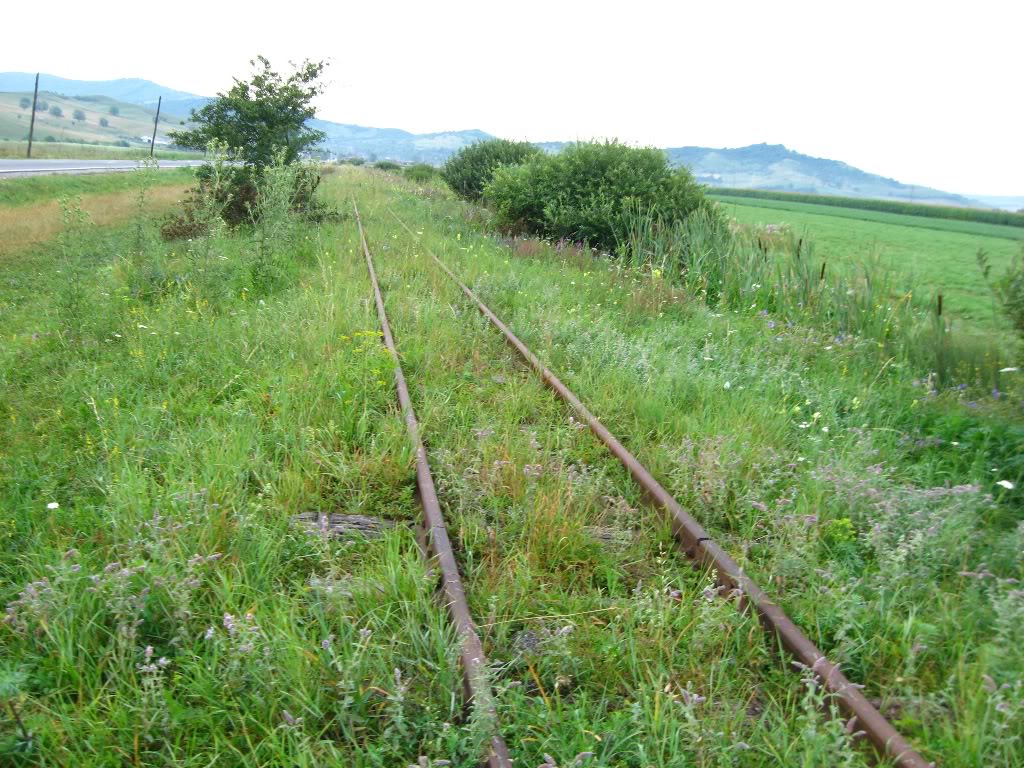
(15, 150)
(179, 402)
(932, 253)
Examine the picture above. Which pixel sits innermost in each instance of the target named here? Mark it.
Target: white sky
(925, 92)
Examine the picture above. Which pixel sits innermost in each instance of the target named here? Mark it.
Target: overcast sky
(925, 92)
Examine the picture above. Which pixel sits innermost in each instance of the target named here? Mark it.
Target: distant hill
(393, 143)
(132, 90)
(759, 166)
(128, 126)
(774, 167)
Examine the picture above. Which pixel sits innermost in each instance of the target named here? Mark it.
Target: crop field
(938, 255)
(210, 550)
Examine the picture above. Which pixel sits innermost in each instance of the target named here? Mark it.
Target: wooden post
(32, 123)
(152, 143)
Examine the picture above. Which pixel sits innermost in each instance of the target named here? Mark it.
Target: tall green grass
(774, 271)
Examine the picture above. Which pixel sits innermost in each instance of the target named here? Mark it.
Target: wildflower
(289, 719)
(728, 385)
(1011, 369)
(53, 505)
(1006, 484)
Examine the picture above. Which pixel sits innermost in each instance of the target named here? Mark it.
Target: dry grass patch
(29, 225)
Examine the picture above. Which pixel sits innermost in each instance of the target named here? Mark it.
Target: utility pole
(152, 144)
(32, 123)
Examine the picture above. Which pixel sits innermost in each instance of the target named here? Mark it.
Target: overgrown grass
(177, 403)
(856, 489)
(926, 259)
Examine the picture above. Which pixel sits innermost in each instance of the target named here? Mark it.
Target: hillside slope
(130, 124)
(773, 166)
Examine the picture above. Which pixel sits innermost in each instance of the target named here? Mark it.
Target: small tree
(56, 111)
(80, 115)
(257, 118)
(24, 102)
(104, 123)
(115, 111)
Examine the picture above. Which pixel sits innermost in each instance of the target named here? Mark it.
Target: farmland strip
(698, 545)
(474, 663)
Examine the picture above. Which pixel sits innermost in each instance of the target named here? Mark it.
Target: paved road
(13, 168)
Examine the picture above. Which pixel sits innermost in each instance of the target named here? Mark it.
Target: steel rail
(474, 663)
(699, 546)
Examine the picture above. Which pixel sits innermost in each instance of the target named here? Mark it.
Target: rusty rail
(474, 664)
(698, 545)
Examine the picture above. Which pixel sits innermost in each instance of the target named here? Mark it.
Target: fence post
(32, 123)
(152, 143)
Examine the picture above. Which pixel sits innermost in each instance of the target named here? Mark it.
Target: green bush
(56, 111)
(387, 165)
(591, 192)
(80, 115)
(24, 102)
(115, 111)
(42, 105)
(104, 123)
(470, 169)
(421, 173)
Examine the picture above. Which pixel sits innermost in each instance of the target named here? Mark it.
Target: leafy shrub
(352, 161)
(421, 173)
(387, 165)
(24, 102)
(115, 111)
(470, 169)
(122, 143)
(50, 140)
(590, 192)
(79, 114)
(104, 123)
(42, 105)
(56, 111)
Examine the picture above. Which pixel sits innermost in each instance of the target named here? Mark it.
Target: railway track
(691, 537)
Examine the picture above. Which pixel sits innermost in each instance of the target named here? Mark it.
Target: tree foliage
(590, 192)
(470, 169)
(260, 117)
(79, 115)
(24, 102)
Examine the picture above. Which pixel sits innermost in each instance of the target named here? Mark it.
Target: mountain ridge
(757, 166)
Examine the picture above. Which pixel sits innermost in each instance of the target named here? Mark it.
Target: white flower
(1006, 484)
(1013, 369)
(728, 385)
(53, 505)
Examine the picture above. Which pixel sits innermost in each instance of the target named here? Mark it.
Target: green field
(168, 408)
(891, 206)
(935, 254)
